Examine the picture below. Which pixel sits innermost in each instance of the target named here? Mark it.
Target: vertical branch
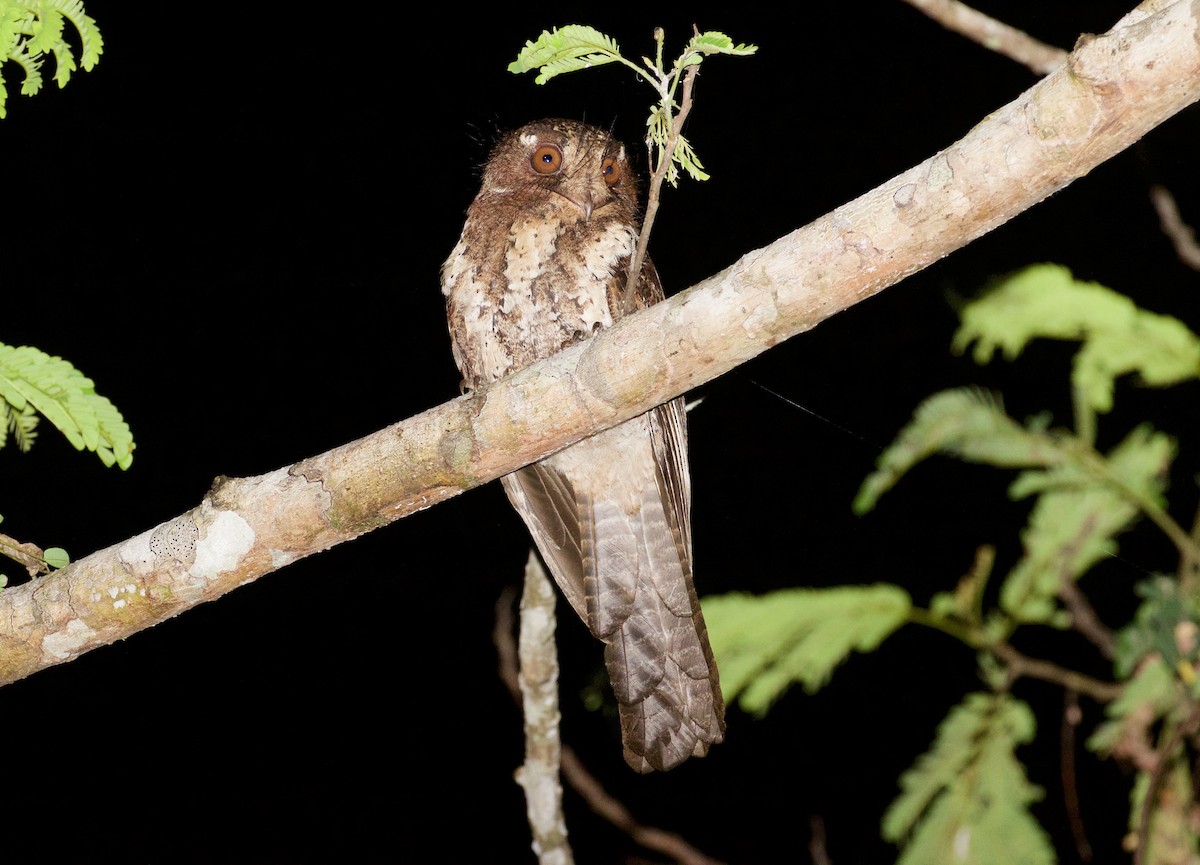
(538, 679)
(574, 772)
(1071, 718)
(656, 182)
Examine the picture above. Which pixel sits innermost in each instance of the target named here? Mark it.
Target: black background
(234, 225)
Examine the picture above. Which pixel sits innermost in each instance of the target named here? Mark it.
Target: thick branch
(1113, 90)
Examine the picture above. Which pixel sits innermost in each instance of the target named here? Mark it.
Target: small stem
(29, 556)
(1189, 562)
(1018, 664)
(1084, 618)
(1070, 722)
(1182, 235)
(652, 199)
(602, 802)
(1085, 417)
(1022, 665)
(1184, 543)
(960, 632)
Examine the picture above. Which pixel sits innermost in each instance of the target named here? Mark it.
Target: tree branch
(1113, 90)
(537, 681)
(992, 34)
(1181, 235)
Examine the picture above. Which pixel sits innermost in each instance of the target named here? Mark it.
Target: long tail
(609, 516)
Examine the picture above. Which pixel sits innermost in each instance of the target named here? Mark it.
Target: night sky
(234, 225)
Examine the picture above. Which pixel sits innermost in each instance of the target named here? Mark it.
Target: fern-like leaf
(712, 42)
(1152, 693)
(765, 643)
(22, 423)
(965, 802)
(91, 42)
(31, 379)
(565, 49)
(963, 423)
(1161, 628)
(1118, 338)
(31, 29)
(1080, 510)
(659, 133)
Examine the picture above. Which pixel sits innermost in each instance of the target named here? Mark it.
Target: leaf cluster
(33, 382)
(32, 29)
(575, 47)
(967, 799)
(34, 385)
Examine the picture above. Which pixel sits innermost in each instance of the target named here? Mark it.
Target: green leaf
(56, 557)
(963, 423)
(965, 802)
(1150, 695)
(658, 131)
(22, 423)
(31, 379)
(47, 32)
(713, 42)
(765, 643)
(30, 30)
(1166, 625)
(1045, 301)
(1080, 509)
(565, 49)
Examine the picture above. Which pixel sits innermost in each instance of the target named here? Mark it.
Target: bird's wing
(609, 516)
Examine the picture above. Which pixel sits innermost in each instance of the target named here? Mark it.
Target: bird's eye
(547, 159)
(610, 170)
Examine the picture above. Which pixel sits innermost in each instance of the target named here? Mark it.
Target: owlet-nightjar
(541, 264)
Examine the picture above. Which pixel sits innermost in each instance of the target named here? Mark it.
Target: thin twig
(1084, 618)
(600, 801)
(1022, 665)
(575, 773)
(1098, 464)
(1181, 235)
(1189, 562)
(816, 841)
(29, 556)
(993, 35)
(656, 182)
(1070, 722)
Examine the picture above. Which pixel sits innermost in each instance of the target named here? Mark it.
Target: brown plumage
(541, 264)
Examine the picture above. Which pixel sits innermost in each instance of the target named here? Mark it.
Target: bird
(542, 264)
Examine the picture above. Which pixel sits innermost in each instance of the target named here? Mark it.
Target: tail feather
(624, 562)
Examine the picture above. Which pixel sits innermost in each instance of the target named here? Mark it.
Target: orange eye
(610, 170)
(547, 159)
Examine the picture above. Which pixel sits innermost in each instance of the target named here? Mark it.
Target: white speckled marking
(229, 537)
(65, 644)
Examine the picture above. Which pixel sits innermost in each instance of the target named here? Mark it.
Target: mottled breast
(543, 255)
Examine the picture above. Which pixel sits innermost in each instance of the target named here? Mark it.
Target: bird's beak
(583, 200)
